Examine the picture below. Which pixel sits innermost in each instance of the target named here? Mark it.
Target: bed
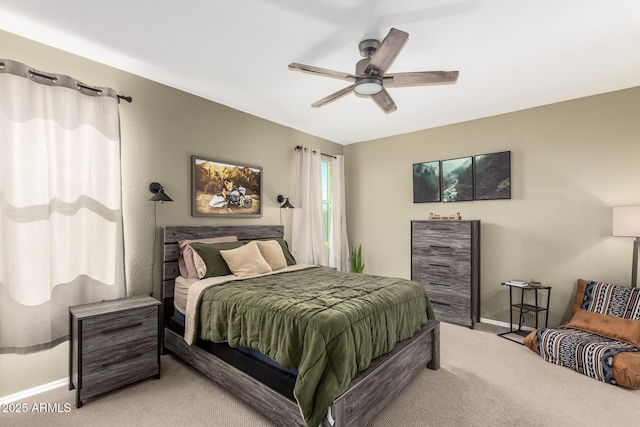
(267, 388)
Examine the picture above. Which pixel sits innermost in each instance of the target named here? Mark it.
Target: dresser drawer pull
(440, 265)
(439, 284)
(110, 331)
(124, 359)
(440, 247)
(440, 303)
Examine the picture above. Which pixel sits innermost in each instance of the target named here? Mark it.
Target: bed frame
(369, 391)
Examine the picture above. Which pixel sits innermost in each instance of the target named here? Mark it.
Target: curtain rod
(54, 79)
(299, 147)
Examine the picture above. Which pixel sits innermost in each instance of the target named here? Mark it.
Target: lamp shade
(160, 195)
(626, 221)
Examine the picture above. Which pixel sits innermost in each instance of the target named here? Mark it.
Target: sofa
(601, 339)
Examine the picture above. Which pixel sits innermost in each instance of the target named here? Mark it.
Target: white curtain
(339, 247)
(307, 237)
(61, 240)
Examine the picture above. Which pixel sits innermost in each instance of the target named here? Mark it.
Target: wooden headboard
(170, 254)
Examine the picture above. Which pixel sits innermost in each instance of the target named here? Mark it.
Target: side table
(523, 308)
(113, 343)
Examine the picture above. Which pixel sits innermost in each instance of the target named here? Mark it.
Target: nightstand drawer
(118, 375)
(114, 329)
(122, 353)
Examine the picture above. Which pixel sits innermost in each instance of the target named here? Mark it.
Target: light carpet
(484, 380)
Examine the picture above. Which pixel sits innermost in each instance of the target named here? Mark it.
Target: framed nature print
(426, 182)
(457, 179)
(229, 189)
(493, 176)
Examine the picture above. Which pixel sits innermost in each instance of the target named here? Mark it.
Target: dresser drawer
(432, 269)
(113, 329)
(440, 233)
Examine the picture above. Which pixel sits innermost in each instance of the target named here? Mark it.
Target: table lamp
(626, 223)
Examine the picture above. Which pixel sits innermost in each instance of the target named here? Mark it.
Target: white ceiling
(511, 54)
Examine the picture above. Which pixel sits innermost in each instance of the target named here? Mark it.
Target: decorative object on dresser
(112, 344)
(445, 259)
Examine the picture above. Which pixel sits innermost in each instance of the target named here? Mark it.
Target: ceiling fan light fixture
(368, 86)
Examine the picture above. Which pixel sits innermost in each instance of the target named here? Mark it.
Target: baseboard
(504, 324)
(33, 391)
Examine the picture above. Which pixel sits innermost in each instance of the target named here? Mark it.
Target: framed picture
(493, 176)
(228, 189)
(426, 182)
(457, 180)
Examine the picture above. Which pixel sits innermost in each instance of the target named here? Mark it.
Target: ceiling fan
(370, 78)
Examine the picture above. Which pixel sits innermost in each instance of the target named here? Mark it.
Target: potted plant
(356, 260)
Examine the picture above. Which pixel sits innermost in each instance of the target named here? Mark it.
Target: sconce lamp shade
(626, 221)
(286, 204)
(160, 195)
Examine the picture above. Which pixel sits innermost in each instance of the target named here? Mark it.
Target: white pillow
(246, 260)
(272, 253)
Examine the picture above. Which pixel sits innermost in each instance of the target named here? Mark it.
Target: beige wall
(571, 162)
(161, 129)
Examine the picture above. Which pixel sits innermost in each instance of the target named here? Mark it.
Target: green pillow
(210, 254)
(285, 249)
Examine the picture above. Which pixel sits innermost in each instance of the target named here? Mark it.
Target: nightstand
(112, 344)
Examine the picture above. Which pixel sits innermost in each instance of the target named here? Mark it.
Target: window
(325, 168)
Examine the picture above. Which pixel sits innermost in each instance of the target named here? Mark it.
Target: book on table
(519, 283)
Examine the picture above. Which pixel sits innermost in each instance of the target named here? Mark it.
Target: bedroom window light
(326, 198)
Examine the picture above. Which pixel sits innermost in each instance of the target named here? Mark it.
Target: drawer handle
(439, 284)
(440, 303)
(441, 247)
(440, 265)
(124, 359)
(110, 331)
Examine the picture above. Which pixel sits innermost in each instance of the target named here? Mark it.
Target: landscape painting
(493, 176)
(426, 182)
(457, 180)
(227, 189)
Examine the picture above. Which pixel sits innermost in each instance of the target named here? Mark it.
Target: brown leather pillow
(626, 330)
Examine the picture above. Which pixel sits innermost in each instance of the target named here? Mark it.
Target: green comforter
(327, 324)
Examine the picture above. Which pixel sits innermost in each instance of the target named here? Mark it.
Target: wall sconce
(286, 204)
(160, 195)
(626, 223)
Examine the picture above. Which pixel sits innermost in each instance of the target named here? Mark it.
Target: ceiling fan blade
(387, 52)
(321, 71)
(384, 101)
(339, 94)
(420, 78)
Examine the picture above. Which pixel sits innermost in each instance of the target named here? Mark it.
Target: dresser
(112, 344)
(445, 260)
